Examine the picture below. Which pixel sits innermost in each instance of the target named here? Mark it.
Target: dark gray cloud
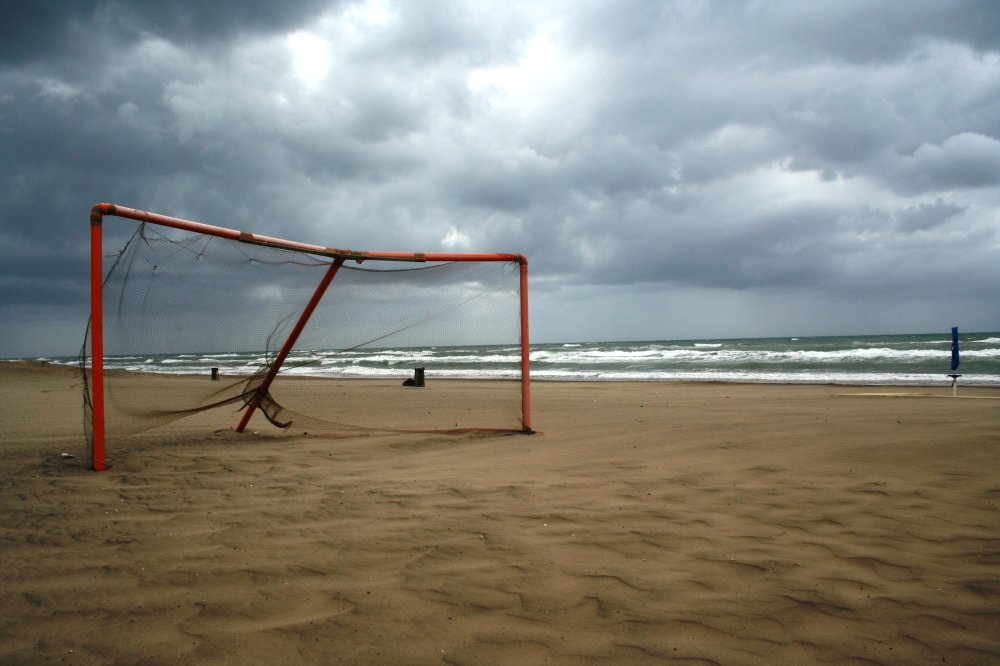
(925, 217)
(59, 33)
(962, 161)
(779, 155)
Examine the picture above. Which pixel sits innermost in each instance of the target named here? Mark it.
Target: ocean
(890, 360)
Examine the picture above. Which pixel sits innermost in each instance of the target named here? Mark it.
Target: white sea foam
(876, 360)
(751, 356)
(843, 378)
(416, 359)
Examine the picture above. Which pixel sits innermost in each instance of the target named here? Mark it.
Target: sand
(690, 523)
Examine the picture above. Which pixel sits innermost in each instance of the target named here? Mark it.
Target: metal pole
(525, 352)
(287, 347)
(96, 340)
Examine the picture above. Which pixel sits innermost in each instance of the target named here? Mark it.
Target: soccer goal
(187, 317)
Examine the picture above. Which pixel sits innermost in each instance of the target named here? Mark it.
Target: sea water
(894, 360)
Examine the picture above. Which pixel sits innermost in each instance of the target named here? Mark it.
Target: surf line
(915, 395)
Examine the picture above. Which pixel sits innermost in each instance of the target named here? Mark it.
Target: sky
(672, 170)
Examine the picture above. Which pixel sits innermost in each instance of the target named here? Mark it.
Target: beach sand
(695, 523)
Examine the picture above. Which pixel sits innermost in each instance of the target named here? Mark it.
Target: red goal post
(338, 257)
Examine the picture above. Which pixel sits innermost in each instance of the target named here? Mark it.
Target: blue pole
(954, 361)
(954, 348)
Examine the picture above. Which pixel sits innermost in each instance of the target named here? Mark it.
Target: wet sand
(695, 523)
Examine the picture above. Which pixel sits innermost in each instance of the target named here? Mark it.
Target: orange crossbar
(257, 239)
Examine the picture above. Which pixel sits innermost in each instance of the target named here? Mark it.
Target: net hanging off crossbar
(180, 289)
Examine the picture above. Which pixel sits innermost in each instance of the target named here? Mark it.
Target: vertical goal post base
(339, 257)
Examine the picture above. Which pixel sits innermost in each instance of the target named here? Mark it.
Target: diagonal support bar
(279, 360)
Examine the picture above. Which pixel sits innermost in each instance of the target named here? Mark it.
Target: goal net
(187, 317)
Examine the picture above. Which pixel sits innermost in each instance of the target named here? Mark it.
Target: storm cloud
(690, 169)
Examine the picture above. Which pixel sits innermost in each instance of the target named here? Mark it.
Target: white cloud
(310, 58)
(456, 239)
